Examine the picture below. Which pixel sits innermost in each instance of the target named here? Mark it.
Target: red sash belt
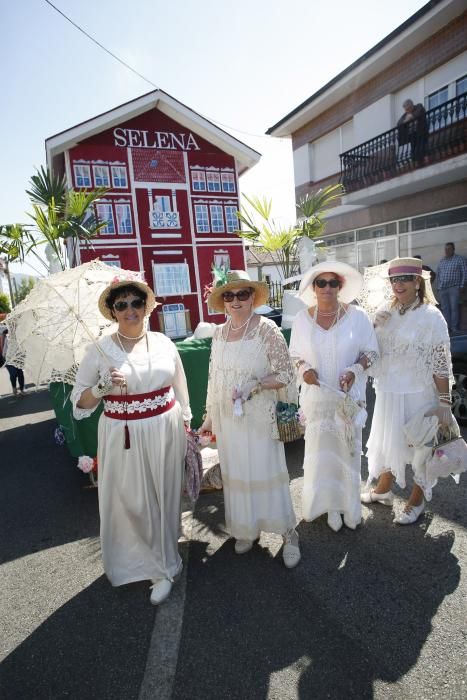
(136, 406)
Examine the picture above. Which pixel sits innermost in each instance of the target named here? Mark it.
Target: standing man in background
(452, 276)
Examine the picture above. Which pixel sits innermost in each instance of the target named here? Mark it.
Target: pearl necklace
(333, 313)
(407, 307)
(243, 324)
(129, 337)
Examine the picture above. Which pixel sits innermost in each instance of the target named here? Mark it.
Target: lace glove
(346, 380)
(443, 413)
(247, 390)
(380, 318)
(103, 386)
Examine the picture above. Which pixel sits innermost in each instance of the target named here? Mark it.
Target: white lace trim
(137, 406)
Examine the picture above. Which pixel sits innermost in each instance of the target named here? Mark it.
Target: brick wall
(438, 49)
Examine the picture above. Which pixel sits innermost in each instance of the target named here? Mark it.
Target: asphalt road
(377, 613)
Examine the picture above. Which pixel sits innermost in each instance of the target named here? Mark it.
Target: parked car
(459, 365)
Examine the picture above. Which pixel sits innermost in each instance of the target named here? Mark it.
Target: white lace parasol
(50, 330)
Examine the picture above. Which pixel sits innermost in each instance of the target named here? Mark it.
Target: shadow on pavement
(358, 608)
(95, 646)
(33, 402)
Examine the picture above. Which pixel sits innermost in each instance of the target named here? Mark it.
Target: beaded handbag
(448, 458)
(287, 422)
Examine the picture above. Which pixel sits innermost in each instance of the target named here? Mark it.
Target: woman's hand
(311, 377)
(346, 380)
(117, 376)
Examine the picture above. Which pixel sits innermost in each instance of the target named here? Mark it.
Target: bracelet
(445, 397)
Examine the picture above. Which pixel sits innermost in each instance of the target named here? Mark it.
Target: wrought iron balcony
(415, 144)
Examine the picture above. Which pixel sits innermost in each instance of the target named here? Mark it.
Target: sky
(243, 65)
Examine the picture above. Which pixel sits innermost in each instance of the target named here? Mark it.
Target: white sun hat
(352, 281)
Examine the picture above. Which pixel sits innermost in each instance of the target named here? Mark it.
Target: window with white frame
(101, 175)
(162, 203)
(461, 85)
(123, 215)
(114, 262)
(214, 181)
(228, 182)
(217, 218)
(171, 278)
(231, 219)
(119, 178)
(222, 260)
(105, 213)
(202, 218)
(82, 175)
(437, 98)
(198, 180)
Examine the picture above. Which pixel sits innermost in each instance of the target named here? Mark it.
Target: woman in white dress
(413, 376)
(333, 344)
(249, 363)
(141, 439)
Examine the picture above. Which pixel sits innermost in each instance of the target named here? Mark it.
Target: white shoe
(334, 520)
(243, 546)
(386, 499)
(410, 514)
(160, 591)
(291, 551)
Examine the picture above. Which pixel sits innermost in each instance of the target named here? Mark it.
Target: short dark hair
(450, 243)
(124, 291)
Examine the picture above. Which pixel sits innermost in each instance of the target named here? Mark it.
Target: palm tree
(284, 244)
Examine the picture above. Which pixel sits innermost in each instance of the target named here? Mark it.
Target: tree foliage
(23, 289)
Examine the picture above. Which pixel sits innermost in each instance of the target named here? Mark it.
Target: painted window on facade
(228, 182)
(214, 182)
(162, 203)
(105, 213)
(202, 219)
(231, 219)
(123, 215)
(198, 180)
(171, 278)
(114, 261)
(82, 175)
(101, 175)
(461, 85)
(217, 218)
(119, 178)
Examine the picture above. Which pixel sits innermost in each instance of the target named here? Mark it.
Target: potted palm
(292, 249)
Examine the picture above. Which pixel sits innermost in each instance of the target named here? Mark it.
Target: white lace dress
(331, 472)
(252, 459)
(413, 348)
(139, 488)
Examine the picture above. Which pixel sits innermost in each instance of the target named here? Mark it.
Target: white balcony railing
(164, 219)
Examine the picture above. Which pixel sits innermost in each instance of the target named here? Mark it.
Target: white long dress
(252, 458)
(413, 348)
(139, 488)
(331, 472)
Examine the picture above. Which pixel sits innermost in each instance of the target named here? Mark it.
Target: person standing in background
(452, 276)
(16, 374)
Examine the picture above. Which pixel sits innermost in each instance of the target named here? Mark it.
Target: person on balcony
(332, 343)
(141, 439)
(413, 129)
(452, 277)
(249, 363)
(413, 379)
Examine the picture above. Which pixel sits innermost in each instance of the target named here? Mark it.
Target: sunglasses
(324, 283)
(134, 303)
(402, 278)
(242, 295)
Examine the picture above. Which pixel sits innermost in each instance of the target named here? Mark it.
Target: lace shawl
(413, 348)
(261, 352)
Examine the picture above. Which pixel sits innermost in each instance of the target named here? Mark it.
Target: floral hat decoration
(123, 280)
(225, 280)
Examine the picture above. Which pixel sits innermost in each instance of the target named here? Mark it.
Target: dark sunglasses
(134, 303)
(402, 278)
(323, 283)
(242, 295)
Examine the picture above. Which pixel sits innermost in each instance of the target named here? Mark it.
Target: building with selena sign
(172, 181)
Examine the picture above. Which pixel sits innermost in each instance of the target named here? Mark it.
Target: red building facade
(172, 180)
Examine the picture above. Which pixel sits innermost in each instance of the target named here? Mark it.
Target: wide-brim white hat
(351, 278)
